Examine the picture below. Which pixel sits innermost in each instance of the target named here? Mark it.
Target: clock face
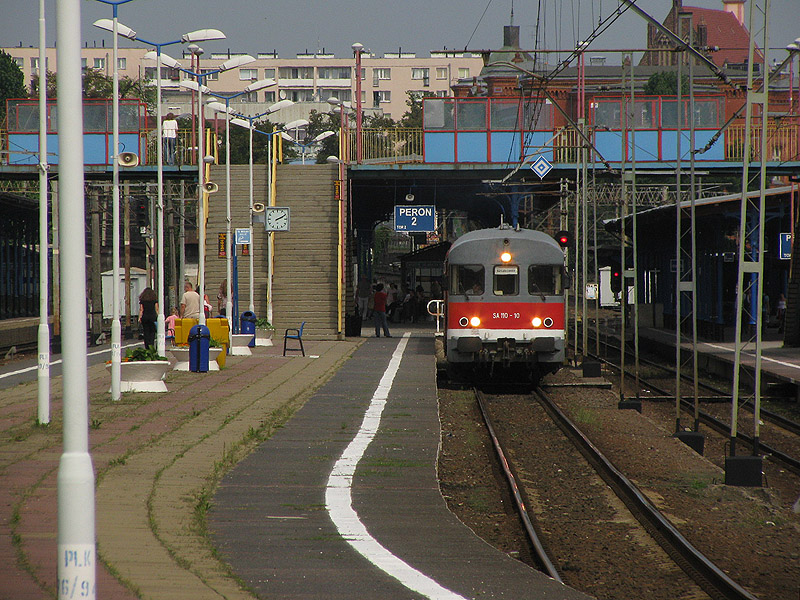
(277, 218)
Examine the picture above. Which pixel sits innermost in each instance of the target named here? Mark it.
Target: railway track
(785, 457)
(706, 575)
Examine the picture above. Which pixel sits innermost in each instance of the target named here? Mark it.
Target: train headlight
(548, 322)
(505, 257)
(463, 321)
(536, 322)
(475, 321)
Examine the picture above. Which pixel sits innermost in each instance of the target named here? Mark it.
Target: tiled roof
(724, 31)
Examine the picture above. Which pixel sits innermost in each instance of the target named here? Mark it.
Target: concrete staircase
(305, 263)
(304, 285)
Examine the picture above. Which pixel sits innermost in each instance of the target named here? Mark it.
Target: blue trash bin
(247, 324)
(199, 340)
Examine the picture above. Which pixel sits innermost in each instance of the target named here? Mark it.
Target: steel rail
(533, 538)
(766, 415)
(723, 428)
(700, 568)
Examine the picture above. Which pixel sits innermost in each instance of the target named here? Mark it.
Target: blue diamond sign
(541, 167)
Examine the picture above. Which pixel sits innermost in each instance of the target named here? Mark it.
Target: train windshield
(544, 279)
(506, 280)
(467, 279)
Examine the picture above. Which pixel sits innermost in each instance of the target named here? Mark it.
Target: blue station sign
(415, 218)
(785, 246)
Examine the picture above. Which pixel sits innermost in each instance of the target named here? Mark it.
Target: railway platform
(336, 500)
(780, 366)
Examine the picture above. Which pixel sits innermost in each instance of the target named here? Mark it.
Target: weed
(95, 424)
(586, 417)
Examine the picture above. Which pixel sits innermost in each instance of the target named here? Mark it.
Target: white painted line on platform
(339, 500)
(55, 362)
(752, 354)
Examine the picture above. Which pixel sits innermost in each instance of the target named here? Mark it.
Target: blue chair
(294, 334)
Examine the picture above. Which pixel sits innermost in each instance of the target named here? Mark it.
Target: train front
(505, 303)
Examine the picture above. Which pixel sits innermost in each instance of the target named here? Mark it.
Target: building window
(419, 73)
(20, 62)
(84, 64)
(269, 97)
(333, 72)
(442, 93)
(383, 74)
(298, 95)
(441, 72)
(269, 73)
(249, 97)
(99, 63)
(122, 64)
(296, 72)
(463, 72)
(248, 74)
(343, 95)
(423, 74)
(381, 96)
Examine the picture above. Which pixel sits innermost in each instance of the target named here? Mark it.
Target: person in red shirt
(379, 312)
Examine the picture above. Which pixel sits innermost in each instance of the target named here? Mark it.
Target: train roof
(545, 248)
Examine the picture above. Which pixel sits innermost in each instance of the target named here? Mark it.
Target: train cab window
(467, 279)
(506, 280)
(543, 279)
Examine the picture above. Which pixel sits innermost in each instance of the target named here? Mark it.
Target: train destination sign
(415, 218)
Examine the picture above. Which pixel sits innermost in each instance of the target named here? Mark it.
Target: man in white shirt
(169, 129)
(190, 302)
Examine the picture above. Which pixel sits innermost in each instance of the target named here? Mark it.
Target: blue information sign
(415, 218)
(786, 246)
(243, 236)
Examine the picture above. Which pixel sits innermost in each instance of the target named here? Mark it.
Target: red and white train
(504, 304)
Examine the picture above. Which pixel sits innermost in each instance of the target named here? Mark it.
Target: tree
(240, 143)
(413, 116)
(12, 82)
(319, 122)
(52, 87)
(665, 83)
(97, 84)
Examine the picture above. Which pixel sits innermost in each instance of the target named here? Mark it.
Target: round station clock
(277, 218)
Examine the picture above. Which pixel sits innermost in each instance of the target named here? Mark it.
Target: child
(170, 323)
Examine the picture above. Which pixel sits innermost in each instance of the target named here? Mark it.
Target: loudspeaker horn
(258, 207)
(128, 159)
(209, 187)
(409, 197)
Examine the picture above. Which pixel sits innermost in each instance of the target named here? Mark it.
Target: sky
(419, 26)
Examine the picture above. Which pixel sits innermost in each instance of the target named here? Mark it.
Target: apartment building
(308, 79)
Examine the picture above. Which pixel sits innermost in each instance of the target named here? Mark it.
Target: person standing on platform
(362, 297)
(222, 298)
(190, 302)
(148, 314)
(379, 311)
(169, 129)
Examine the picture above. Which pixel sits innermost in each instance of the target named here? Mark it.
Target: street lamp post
(226, 108)
(76, 556)
(357, 50)
(231, 63)
(248, 122)
(116, 327)
(43, 341)
(161, 58)
(305, 144)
